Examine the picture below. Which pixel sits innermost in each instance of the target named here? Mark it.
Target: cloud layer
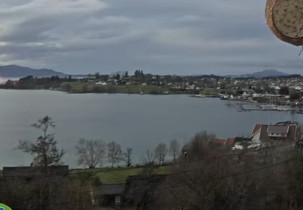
(158, 36)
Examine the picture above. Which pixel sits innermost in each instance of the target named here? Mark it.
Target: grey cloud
(191, 19)
(158, 36)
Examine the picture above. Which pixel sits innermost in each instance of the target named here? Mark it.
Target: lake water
(137, 121)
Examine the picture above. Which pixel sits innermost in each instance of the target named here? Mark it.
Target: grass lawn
(111, 175)
(117, 175)
(84, 87)
(210, 91)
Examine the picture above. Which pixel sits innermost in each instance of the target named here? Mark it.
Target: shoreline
(237, 103)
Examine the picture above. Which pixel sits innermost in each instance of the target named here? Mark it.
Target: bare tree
(196, 183)
(114, 153)
(24, 194)
(44, 150)
(174, 149)
(91, 152)
(160, 153)
(215, 177)
(149, 166)
(127, 157)
(45, 185)
(199, 146)
(149, 157)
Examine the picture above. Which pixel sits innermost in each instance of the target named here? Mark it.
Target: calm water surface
(137, 121)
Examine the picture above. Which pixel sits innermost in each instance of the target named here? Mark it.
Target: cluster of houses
(288, 132)
(163, 81)
(279, 91)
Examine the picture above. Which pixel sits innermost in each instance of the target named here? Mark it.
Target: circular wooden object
(285, 19)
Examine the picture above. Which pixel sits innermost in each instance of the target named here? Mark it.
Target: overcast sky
(157, 36)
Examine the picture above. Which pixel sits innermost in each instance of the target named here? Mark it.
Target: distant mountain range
(16, 71)
(262, 74)
(20, 71)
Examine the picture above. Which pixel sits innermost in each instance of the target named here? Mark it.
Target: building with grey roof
(283, 132)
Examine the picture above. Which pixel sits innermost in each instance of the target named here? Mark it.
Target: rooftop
(280, 129)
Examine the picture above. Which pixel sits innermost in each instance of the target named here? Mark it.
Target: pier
(242, 107)
(245, 107)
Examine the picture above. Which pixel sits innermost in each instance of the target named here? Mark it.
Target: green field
(210, 91)
(117, 175)
(87, 87)
(111, 175)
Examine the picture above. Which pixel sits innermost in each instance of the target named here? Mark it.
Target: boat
(224, 97)
(199, 96)
(284, 108)
(268, 107)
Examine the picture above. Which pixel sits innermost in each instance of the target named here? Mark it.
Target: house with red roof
(281, 132)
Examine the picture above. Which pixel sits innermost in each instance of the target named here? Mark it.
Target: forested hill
(20, 71)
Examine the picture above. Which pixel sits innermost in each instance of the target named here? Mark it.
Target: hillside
(262, 74)
(266, 73)
(20, 71)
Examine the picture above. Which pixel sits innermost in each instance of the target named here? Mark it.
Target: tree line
(90, 152)
(210, 176)
(47, 191)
